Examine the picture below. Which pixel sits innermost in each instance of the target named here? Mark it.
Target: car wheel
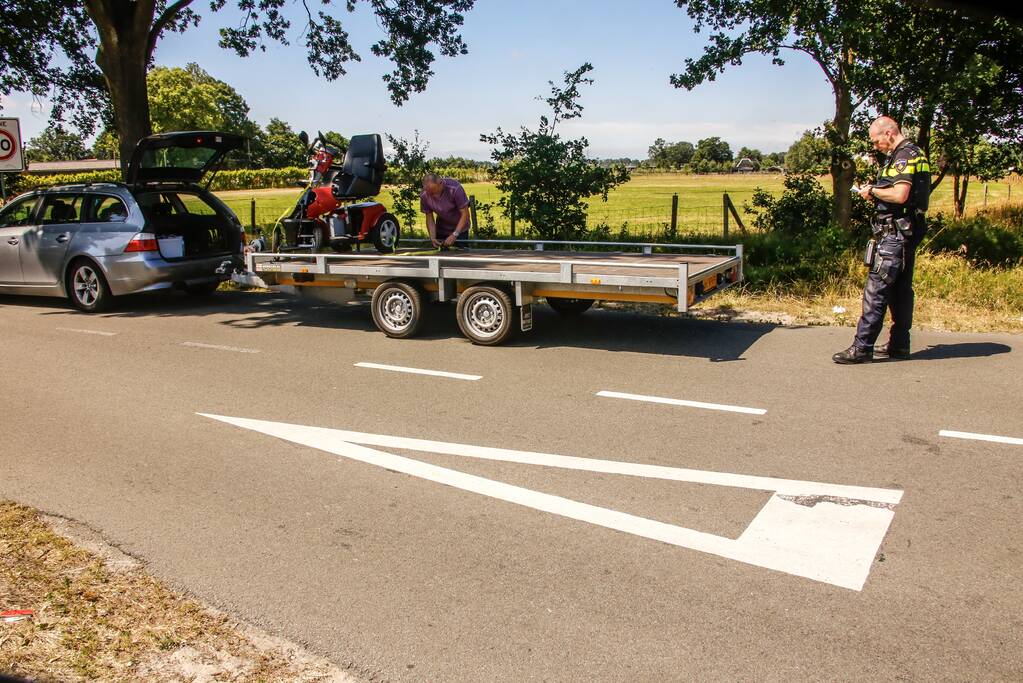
(87, 289)
(385, 234)
(397, 309)
(570, 307)
(486, 315)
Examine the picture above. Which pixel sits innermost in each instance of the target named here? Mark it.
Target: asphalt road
(409, 571)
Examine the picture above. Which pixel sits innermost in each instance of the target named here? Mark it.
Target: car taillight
(143, 241)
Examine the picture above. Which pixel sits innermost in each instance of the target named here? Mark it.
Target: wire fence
(259, 214)
(676, 215)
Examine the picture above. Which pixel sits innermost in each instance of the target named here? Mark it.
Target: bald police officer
(901, 194)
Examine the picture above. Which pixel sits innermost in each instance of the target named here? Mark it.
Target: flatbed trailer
(494, 289)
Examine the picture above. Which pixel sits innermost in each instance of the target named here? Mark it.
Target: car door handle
(64, 237)
(13, 241)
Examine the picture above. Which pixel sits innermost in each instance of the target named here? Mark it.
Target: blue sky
(514, 49)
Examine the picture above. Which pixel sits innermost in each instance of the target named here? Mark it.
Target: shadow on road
(644, 333)
(966, 350)
(628, 331)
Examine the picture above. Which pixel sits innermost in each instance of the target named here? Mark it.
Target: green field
(644, 203)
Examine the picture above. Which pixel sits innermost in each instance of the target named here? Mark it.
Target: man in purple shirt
(447, 210)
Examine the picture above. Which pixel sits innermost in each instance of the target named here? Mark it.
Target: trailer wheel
(486, 315)
(397, 309)
(570, 307)
(385, 234)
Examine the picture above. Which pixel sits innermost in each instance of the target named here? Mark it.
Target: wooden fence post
(730, 208)
(252, 217)
(511, 212)
(724, 211)
(674, 214)
(472, 216)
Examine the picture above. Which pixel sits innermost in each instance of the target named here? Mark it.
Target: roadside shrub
(979, 239)
(545, 178)
(803, 207)
(407, 166)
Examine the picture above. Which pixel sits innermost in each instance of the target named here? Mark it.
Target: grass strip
(96, 622)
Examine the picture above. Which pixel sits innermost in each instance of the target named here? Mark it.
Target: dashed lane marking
(681, 402)
(82, 331)
(981, 437)
(418, 371)
(218, 347)
(825, 532)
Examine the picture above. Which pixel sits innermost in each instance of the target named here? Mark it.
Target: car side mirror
(304, 137)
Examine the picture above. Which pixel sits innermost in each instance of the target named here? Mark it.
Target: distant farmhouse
(745, 165)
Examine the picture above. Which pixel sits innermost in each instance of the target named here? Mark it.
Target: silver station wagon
(159, 230)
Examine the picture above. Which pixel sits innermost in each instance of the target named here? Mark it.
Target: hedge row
(241, 179)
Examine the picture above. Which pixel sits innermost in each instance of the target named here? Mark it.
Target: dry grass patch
(951, 295)
(97, 620)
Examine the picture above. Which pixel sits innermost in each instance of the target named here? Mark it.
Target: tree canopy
(56, 144)
(809, 154)
(670, 154)
(954, 76)
(92, 57)
(191, 99)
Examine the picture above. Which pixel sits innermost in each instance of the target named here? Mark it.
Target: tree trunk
(123, 27)
(960, 200)
(843, 170)
(960, 183)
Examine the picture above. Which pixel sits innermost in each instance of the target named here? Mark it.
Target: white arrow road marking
(418, 371)
(981, 437)
(825, 532)
(681, 402)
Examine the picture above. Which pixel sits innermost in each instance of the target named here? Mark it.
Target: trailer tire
(397, 309)
(386, 234)
(486, 315)
(570, 307)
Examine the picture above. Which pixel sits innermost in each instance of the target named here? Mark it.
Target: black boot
(853, 354)
(891, 352)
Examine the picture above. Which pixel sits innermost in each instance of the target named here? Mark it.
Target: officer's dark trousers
(890, 287)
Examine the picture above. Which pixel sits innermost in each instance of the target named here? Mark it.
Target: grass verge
(104, 619)
(951, 294)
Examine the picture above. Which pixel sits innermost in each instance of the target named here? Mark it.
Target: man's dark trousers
(890, 287)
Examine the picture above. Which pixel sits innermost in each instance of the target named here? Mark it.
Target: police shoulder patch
(900, 165)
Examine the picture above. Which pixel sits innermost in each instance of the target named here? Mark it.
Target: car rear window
(175, 204)
(177, 157)
(62, 208)
(107, 209)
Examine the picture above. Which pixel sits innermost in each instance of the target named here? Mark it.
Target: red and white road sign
(11, 158)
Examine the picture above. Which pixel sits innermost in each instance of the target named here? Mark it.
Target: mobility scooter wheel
(385, 234)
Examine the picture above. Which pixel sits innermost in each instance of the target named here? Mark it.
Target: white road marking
(981, 437)
(680, 402)
(218, 347)
(98, 332)
(418, 371)
(825, 532)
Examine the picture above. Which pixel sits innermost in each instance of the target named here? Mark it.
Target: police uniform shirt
(906, 164)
